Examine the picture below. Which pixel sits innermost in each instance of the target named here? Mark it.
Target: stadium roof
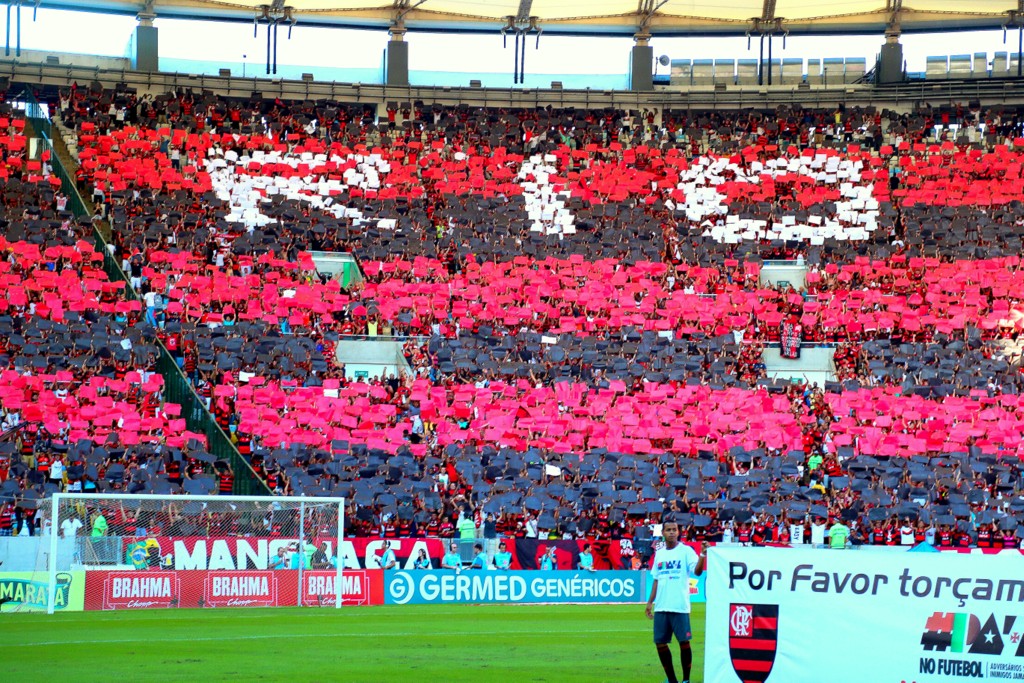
(669, 17)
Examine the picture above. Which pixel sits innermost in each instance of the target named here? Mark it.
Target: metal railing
(417, 338)
(36, 115)
(76, 204)
(177, 388)
(989, 91)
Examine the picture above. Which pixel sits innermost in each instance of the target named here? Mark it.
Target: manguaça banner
(927, 618)
(232, 552)
(469, 586)
(237, 553)
(30, 591)
(112, 590)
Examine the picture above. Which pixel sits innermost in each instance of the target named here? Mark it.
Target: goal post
(123, 551)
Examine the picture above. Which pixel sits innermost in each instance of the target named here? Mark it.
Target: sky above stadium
(200, 46)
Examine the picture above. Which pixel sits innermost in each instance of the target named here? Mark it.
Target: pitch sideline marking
(326, 612)
(380, 634)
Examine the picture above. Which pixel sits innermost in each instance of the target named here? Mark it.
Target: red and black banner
(527, 553)
(791, 338)
(753, 640)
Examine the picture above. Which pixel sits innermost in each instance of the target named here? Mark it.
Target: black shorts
(668, 623)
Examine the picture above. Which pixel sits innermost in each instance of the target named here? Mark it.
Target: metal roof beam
(767, 23)
(1014, 17)
(523, 15)
(646, 9)
(893, 28)
(402, 8)
(146, 15)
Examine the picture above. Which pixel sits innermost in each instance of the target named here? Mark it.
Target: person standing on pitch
(669, 604)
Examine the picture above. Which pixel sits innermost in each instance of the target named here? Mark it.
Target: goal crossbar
(65, 506)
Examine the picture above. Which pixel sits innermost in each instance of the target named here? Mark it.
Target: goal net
(109, 552)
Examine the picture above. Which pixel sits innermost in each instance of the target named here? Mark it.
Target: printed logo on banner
(963, 633)
(35, 594)
(319, 588)
(753, 639)
(401, 587)
(240, 589)
(140, 589)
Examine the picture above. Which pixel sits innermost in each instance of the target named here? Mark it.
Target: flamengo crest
(753, 640)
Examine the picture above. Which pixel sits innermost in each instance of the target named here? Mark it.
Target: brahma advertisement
(139, 589)
(935, 618)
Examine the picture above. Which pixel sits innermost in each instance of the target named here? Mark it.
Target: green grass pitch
(430, 644)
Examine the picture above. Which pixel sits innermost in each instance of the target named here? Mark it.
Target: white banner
(789, 615)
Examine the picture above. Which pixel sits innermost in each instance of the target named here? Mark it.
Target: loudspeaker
(398, 62)
(890, 64)
(641, 73)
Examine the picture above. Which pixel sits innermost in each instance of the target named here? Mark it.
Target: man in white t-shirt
(818, 532)
(69, 527)
(669, 604)
(907, 533)
(57, 473)
(531, 527)
(150, 299)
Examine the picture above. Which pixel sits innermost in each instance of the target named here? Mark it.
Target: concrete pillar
(890, 60)
(397, 57)
(641, 74)
(145, 53)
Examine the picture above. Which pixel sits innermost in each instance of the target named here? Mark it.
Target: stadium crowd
(579, 297)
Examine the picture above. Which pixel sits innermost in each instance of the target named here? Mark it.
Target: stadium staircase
(815, 363)
(381, 357)
(362, 357)
(177, 389)
(784, 273)
(340, 266)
